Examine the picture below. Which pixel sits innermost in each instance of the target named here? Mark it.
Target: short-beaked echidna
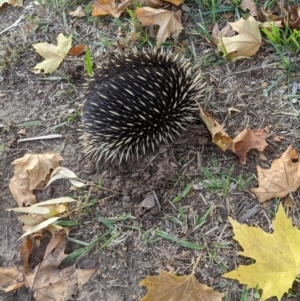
(139, 99)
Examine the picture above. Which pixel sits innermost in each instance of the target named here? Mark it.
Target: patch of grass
(222, 182)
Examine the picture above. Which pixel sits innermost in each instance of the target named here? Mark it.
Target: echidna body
(139, 100)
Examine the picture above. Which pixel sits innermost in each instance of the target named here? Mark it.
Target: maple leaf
(169, 22)
(246, 43)
(53, 55)
(105, 7)
(167, 286)
(282, 178)
(246, 140)
(277, 256)
(50, 283)
(219, 136)
(31, 172)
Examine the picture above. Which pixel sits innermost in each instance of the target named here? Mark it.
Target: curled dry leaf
(105, 7)
(219, 136)
(169, 22)
(167, 286)
(53, 55)
(77, 13)
(276, 256)
(282, 178)
(244, 44)
(246, 140)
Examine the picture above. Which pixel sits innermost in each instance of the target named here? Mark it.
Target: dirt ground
(53, 99)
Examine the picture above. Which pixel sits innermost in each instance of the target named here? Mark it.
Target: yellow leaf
(167, 286)
(276, 255)
(282, 178)
(246, 43)
(53, 55)
(169, 22)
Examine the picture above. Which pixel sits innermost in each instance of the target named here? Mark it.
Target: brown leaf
(169, 22)
(77, 50)
(167, 286)
(105, 7)
(282, 178)
(10, 279)
(50, 283)
(246, 140)
(19, 188)
(26, 249)
(77, 13)
(249, 5)
(219, 136)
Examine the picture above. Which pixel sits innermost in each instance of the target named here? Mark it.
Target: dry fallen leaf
(53, 55)
(26, 249)
(77, 13)
(246, 43)
(31, 172)
(282, 178)
(226, 31)
(276, 256)
(12, 2)
(249, 5)
(219, 136)
(169, 22)
(167, 286)
(105, 7)
(49, 283)
(246, 140)
(175, 2)
(77, 50)
(10, 279)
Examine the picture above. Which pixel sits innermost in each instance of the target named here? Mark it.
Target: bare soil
(52, 99)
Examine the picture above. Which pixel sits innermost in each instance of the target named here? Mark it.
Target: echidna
(139, 99)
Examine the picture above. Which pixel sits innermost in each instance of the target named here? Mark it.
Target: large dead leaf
(276, 255)
(219, 136)
(169, 287)
(31, 172)
(246, 140)
(282, 178)
(50, 283)
(53, 55)
(169, 22)
(105, 7)
(10, 279)
(246, 43)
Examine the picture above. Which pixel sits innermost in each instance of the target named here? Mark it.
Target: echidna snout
(138, 101)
